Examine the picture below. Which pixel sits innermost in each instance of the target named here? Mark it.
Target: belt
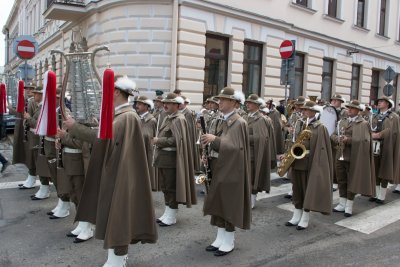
(169, 149)
(72, 150)
(33, 130)
(51, 139)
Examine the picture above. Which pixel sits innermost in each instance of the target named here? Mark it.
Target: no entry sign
(286, 49)
(26, 49)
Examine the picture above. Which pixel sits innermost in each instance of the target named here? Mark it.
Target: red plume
(21, 99)
(107, 105)
(47, 121)
(3, 100)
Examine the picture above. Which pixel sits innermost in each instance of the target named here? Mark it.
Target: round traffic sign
(25, 49)
(388, 89)
(286, 49)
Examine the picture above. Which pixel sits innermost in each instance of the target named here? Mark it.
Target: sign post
(25, 47)
(286, 50)
(388, 75)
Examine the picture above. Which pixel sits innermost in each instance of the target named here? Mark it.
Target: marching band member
(159, 113)
(354, 160)
(228, 200)
(173, 160)
(275, 116)
(117, 196)
(385, 133)
(312, 174)
(261, 147)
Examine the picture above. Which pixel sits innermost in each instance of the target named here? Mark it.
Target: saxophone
(296, 151)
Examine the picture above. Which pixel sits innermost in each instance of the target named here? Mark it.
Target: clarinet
(60, 163)
(26, 129)
(208, 174)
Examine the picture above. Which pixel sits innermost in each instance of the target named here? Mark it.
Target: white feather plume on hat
(125, 84)
(239, 96)
(180, 100)
(187, 100)
(265, 110)
(261, 101)
(149, 102)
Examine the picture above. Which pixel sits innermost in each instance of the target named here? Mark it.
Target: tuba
(296, 151)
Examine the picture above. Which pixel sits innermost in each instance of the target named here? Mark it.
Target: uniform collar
(121, 106)
(226, 116)
(142, 116)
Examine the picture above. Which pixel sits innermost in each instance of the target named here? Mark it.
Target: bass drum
(329, 119)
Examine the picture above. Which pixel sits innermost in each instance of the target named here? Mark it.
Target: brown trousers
(379, 180)
(299, 182)
(121, 250)
(342, 174)
(167, 181)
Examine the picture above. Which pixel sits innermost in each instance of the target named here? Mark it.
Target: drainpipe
(174, 43)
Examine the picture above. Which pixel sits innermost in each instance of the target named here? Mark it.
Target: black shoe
(53, 217)
(220, 253)
(290, 224)
(5, 166)
(36, 198)
(22, 187)
(337, 210)
(50, 213)
(288, 196)
(300, 228)
(347, 214)
(158, 221)
(211, 248)
(379, 201)
(71, 235)
(372, 199)
(334, 189)
(396, 191)
(78, 240)
(164, 224)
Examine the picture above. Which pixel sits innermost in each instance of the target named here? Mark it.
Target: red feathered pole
(47, 121)
(21, 98)
(107, 105)
(3, 100)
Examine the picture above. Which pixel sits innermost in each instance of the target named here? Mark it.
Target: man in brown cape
(354, 160)
(228, 200)
(159, 113)
(261, 145)
(275, 116)
(174, 162)
(149, 127)
(386, 136)
(117, 196)
(312, 174)
(22, 147)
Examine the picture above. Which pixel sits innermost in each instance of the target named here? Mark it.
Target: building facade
(201, 46)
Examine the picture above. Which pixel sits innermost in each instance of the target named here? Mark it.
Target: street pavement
(369, 238)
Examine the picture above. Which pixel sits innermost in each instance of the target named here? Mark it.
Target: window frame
(364, 14)
(323, 75)
(355, 92)
(249, 62)
(382, 28)
(374, 88)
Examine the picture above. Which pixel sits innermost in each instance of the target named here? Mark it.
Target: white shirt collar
(226, 116)
(383, 112)
(143, 115)
(121, 106)
(352, 119)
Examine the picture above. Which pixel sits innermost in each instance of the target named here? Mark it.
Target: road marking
(374, 219)
(8, 185)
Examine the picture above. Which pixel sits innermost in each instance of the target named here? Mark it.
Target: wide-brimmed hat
(145, 100)
(158, 98)
(253, 98)
(125, 84)
(213, 99)
(338, 97)
(173, 98)
(38, 90)
(30, 85)
(387, 99)
(228, 93)
(186, 100)
(300, 100)
(354, 104)
(310, 105)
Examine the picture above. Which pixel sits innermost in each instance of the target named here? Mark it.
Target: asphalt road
(29, 238)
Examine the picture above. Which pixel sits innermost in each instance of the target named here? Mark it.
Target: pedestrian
(5, 163)
(228, 199)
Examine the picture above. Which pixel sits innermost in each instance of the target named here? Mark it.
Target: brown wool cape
(229, 193)
(275, 116)
(185, 189)
(261, 143)
(19, 154)
(193, 134)
(117, 196)
(149, 126)
(318, 195)
(361, 175)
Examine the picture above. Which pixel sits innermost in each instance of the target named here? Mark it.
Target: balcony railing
(66, 10)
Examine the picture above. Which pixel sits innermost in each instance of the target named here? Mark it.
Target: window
(216, 67)
(327, 74)
(252, 66)
(382, 18)
(332, 8)
(297, 89)
(361, 13)
(302, 2)
(355, 81)
(374, 87)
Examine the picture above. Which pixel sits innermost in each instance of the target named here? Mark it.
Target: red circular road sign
(26, 49)
(286, 49)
